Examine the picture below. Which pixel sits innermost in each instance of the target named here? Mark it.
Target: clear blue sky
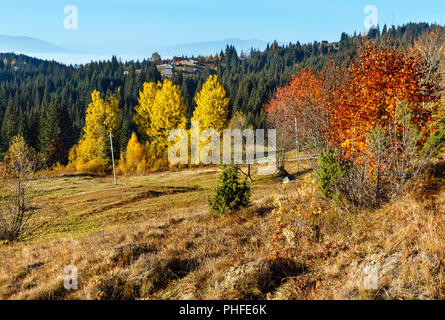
(124, 25)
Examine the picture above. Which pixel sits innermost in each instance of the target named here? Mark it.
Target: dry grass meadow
(151, 237)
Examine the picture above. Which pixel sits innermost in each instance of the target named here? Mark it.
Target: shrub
(297, 215)
(388, 162)
(79, 163)
(159, 165)
(229, 194)
(436, 141)
(16, 174)
(98, 165)
(329, 174)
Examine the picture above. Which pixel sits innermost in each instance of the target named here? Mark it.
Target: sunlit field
(151, 237)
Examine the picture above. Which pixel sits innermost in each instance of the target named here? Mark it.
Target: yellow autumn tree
(145, 107)
(211, 113)
(93, 151)
(133, 159)
(168, 112)
(211, 106)
(161, 109)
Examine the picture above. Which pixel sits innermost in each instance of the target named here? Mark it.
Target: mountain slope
(27, 45)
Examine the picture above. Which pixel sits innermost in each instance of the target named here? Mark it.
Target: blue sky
(117, 26)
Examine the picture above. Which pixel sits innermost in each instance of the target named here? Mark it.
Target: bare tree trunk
(297, 146)
(248, 175)
(379, 178)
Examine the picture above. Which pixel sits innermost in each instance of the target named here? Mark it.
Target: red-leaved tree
(295, 111)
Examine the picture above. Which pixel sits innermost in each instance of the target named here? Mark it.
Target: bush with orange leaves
(381, 78)
(378, 121)
(376, 115)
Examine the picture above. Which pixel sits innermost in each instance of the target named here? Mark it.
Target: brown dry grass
(151, 237)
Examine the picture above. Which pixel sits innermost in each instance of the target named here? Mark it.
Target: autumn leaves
(375, 115)
(381, 102)
(378, 82)
(382, 80)
(211, 106)
(161, 109)
(93, 151)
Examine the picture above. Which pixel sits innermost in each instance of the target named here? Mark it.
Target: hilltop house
(327, 47)
(166, 70)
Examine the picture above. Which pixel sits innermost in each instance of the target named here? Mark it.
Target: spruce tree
(55, 134)
(9, 125)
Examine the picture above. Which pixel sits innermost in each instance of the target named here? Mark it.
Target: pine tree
(229, 194)
(9, 125)
(55, 134)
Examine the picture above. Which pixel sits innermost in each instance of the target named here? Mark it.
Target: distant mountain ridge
(212, 47)
(45, 50)
(28, 45)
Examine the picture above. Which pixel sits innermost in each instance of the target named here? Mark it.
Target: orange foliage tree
(381, 79)
(299, 102)
(378, 120)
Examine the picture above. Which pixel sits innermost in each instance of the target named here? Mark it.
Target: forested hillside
(45, 101)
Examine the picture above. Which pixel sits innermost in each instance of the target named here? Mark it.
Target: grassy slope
(151, 237)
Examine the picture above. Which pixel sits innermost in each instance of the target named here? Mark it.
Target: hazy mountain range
(45, 50)
(27, 45)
